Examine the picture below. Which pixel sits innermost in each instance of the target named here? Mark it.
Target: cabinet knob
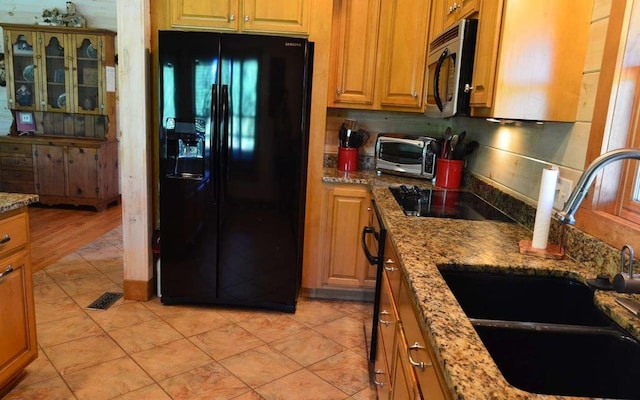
(246, 18)
(232, 17)
(6, 272)
(338, 92)
(378, 372)
(419, 364)
(5, 239)
(390, 262)
(415, 95)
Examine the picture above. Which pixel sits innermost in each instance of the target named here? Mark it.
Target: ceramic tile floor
(145, 350)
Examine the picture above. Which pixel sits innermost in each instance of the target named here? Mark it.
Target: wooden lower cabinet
(415, 344)
(18, 347)
(348, 212)
(404, 367)
(81, 172)
(78, 174)
(16, 168)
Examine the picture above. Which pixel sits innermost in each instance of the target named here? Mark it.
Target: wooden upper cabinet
(530, 59)
(403, 46)
(354, 51)
(290, 16)
(455, 10)
(61, 70)
(23, 68)
(378, 55)
(272, 16)
(216, 14)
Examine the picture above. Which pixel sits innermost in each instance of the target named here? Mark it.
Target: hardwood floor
(56, 232)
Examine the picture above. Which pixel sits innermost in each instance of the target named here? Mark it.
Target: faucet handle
(622, 259)
(623, 282)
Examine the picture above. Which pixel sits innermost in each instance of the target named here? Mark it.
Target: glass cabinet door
(56, 83)
(23, 74)
(89, 56)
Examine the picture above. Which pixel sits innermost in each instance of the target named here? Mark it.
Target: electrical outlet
(563, 191)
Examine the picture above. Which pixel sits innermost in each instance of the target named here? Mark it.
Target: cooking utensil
(631, 305)
(459, 150)
(434, 145)
(452, 146)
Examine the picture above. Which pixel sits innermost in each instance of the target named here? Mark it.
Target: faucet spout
(567, 215)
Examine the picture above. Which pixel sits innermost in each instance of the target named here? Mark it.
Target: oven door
(373, 238)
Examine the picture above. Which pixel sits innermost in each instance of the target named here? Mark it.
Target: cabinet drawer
(392, 268)
(16, 162)
(13, 233)
(417, 347)
(17, 325)
(15, 148)
(387, 320)
(16, 176)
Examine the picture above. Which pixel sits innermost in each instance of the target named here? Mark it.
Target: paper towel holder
(555, 251)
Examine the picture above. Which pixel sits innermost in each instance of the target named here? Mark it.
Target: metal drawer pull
(390, 262)
(421, 364)
(382, 321)
(378, 372)
(6, 271)
(5, 239)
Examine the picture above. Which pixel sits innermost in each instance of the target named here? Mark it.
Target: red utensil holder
(347, 158)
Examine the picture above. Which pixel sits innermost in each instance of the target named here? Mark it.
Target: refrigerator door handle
(225, 142)
(214, 140)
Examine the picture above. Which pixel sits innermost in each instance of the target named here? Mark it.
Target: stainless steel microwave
(449, 70)
(401, 154)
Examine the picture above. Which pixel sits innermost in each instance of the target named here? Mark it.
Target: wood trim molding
(592, 217)
(139, 290)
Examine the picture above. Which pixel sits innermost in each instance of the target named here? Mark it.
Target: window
(611, 212)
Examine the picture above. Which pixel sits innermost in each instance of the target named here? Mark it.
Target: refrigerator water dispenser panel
(185, 149)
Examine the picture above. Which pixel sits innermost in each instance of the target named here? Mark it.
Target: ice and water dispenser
(185, 145)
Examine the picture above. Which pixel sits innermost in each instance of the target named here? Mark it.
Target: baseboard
(364, 295)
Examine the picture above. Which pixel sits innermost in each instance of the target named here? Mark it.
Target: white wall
(98, 14)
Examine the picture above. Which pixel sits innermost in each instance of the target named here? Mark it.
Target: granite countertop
(424, 243)
(13, 201)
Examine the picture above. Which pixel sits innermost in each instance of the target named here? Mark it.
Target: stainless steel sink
(546, 335)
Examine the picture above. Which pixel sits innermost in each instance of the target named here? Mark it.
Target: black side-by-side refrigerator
(234, 128)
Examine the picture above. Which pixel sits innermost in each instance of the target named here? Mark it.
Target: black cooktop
(442, 203)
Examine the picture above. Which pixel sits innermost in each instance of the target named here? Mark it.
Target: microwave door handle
(436, 79)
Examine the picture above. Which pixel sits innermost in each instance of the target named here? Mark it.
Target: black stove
(442, 203)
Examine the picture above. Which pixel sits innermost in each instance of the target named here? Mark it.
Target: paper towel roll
(545, 207)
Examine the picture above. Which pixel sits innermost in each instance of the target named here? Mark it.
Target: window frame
(604, 213)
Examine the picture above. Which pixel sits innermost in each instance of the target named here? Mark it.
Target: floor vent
(105, 301)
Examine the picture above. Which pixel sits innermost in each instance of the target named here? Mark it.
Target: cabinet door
(17, 319)
(82, 171)
(403, 45)
(287, 16)
(50, 167)
(347, 214)
(455, 10)
(354, 50)
(57, 72)
(416, 349)
(214, 14)
(22, 70)
(88, 74)
(381, 370)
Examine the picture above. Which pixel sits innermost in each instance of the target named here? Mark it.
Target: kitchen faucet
(566, 216)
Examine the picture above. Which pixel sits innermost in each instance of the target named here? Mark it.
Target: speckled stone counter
(13, 201)
(423, 244)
